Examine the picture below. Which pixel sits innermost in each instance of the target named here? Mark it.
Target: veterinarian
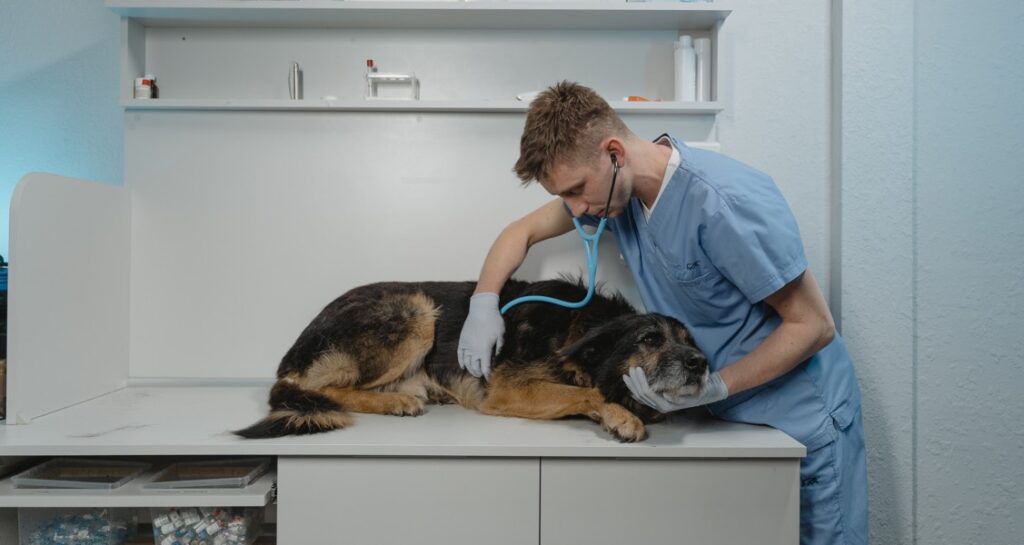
(711, 242)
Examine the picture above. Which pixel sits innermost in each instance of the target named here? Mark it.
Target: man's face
(584, 188)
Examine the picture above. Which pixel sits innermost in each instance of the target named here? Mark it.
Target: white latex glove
(636, 381)
(482, 335)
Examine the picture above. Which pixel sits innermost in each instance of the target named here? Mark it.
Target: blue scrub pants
(834, 490)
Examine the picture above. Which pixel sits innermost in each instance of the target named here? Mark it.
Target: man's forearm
(505, 256)
(787, 346)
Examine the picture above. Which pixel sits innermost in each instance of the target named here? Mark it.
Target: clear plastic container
(65, 526)
(211, 525)
(79, 473)
(210, 474)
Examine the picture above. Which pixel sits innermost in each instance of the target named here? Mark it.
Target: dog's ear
(595, 344)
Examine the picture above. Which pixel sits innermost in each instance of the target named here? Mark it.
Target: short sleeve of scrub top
(754, 241)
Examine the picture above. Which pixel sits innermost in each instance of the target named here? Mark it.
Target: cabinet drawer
(670, 501)
(446, 501)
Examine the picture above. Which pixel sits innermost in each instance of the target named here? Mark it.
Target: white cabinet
(450, 501)
(550, 501)
(699, 501)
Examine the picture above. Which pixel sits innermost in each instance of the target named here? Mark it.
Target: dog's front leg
(548, 401)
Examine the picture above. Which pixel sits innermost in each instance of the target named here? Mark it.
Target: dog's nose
(695, 364)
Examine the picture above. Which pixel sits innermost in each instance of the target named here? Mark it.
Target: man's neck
(650, 170)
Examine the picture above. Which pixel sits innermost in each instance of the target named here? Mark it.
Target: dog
(390, 348)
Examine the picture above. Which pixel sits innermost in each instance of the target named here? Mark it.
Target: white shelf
(196, 420)
(448, 14)
(469, 106)
(132, 494)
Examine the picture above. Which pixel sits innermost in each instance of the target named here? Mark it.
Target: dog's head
(659, 344)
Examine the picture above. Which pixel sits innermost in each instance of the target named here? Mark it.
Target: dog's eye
(651, 339)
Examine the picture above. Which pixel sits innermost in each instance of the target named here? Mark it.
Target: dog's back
(391, 347)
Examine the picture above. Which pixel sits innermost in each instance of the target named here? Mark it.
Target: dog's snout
(695, 362)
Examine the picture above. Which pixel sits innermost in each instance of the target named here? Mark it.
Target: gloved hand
(482, 335)
(636, 381)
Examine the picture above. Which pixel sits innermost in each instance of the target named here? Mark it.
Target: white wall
(931, 261)
(59, 107)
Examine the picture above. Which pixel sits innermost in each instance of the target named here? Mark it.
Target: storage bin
(207, 525)
(79, 473)
(84, 526)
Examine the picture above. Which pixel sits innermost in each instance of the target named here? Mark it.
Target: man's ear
(595, 344)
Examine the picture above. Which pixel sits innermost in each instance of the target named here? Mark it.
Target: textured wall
(931, 261)
(970, 271)
(876, 253)
(59, 107)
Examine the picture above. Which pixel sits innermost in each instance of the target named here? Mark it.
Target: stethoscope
(589, 246)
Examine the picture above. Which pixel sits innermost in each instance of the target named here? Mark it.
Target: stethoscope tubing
(590, 246)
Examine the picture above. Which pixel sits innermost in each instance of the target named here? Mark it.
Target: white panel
(709, 502)
(68, 325)
(447, 501)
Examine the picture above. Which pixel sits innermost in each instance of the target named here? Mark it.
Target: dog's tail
(294, 411)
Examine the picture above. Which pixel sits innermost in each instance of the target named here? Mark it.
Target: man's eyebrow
(572, 188)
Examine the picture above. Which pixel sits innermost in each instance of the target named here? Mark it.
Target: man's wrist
(730, 381)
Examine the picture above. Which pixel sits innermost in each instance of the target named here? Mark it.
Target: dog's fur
(390, 348)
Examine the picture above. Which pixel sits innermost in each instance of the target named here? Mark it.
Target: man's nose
(576, 206)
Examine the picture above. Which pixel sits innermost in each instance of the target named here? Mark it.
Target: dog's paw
(621, 423)
(407, 405)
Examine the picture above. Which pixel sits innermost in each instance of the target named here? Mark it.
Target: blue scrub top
(720, 239)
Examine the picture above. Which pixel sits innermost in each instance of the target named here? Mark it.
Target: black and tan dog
(390, 348)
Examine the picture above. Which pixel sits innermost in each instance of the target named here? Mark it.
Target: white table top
(196, 420)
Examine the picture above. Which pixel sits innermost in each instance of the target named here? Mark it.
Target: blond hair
(565, 123)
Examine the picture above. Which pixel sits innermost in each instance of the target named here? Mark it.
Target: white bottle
(686, 70)
(702, 47)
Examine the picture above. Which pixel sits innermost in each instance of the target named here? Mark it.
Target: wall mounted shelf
(449, 14)
(474, 106)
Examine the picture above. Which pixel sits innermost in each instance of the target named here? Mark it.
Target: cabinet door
(450, 501)
(670, 501)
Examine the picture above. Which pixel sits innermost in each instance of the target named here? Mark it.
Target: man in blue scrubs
(711, 242)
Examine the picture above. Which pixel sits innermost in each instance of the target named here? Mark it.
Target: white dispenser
(686, 70)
